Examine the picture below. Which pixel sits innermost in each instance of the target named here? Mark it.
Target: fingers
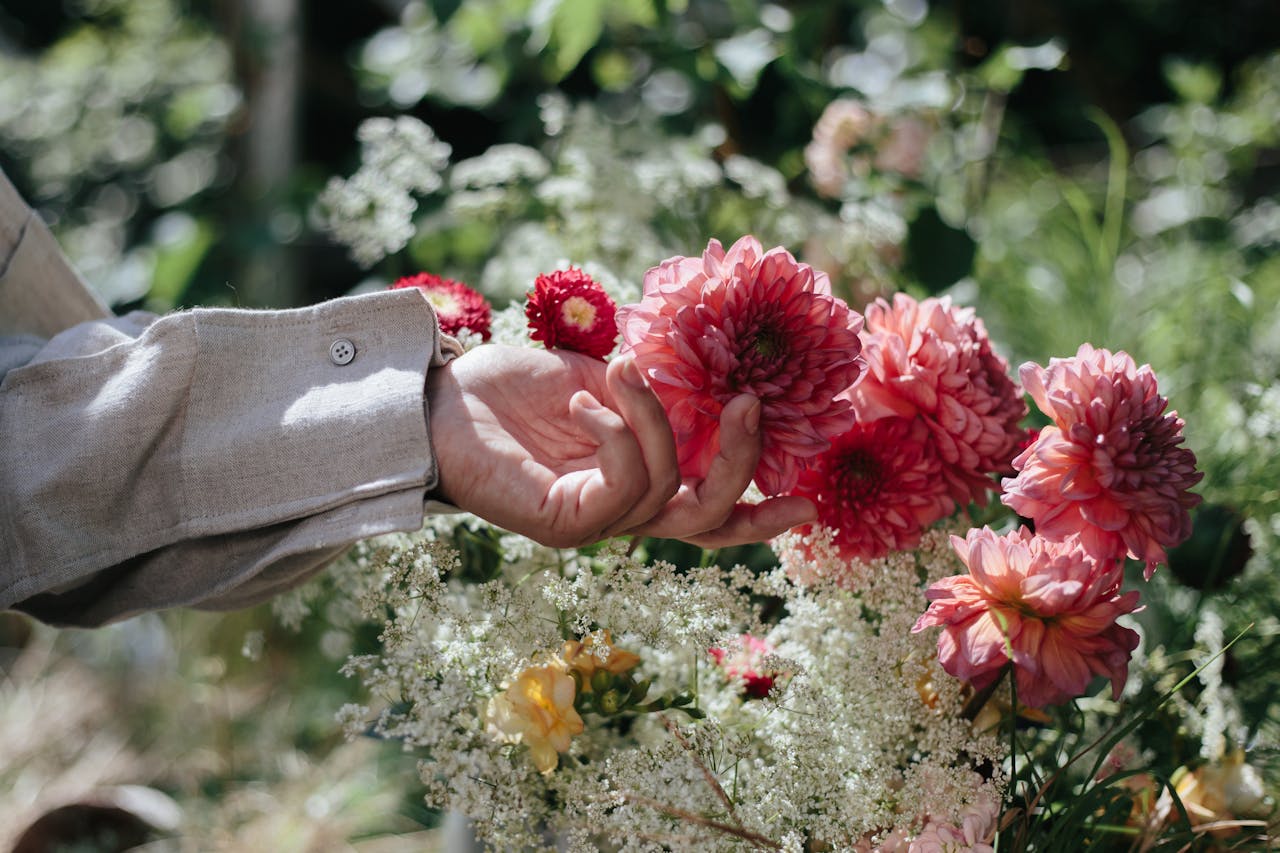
(757, 522)
(644, 415)
(708, 504)
(582, 505)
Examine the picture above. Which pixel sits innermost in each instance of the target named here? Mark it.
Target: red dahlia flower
(746, 321)
(934, 360)
(569, 310)
(1110, 468)
(877, 488)
(457, 306)
(1047, 606)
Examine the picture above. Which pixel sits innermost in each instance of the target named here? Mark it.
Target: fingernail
(753, 418)
(631, 374)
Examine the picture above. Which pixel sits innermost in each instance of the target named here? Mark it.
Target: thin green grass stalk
(1086, 802)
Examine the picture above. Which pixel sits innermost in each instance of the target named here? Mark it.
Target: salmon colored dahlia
(1049, 603)
(568, 309)
(746, 321)
(935, 360)
(457, 306)
(877, 488)
(1111, 467)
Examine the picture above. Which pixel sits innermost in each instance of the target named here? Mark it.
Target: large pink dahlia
(877, 488)
(1050, 604)
(1111, 467)
(746, 321)
(935, 360)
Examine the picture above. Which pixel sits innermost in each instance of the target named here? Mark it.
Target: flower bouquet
(641, 695)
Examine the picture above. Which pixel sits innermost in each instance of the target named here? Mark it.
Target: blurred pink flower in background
(841, 126)
(933, 360)
(746, 321)
(877, 488)
(569, 310)
(1049, 604)
(1111, 467)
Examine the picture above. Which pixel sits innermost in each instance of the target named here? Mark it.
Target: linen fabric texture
(208, 458)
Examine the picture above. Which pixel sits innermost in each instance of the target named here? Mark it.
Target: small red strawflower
(457, 306)
(746, 321)
(746, 663)
(877, 489)
(568, 309)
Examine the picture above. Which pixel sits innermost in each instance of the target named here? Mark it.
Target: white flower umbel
(371, 213)
(860, 735)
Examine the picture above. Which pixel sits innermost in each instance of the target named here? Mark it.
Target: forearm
(211, 457)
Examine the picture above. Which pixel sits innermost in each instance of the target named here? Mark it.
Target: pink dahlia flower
(568, 309)
(877, 488)
(935, 360)
(457, 306)
(1111, 467)
(746, 321)
(1049, 604)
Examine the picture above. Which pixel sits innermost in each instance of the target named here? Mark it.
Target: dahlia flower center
(859, 475)
(579, 312)
(768, 342)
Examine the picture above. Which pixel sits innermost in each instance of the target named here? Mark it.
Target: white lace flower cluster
(372, 211)
(859, 737)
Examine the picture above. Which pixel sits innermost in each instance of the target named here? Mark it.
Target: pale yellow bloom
(581, 655)
(537, 710)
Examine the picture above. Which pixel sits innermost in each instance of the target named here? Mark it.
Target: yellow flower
(580, 655)
(537, 710)
(1225, 791)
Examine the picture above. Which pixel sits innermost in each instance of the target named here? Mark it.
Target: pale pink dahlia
(877, 488)
(754, 322)
(934, 360)
(1050, 603)
(457, 306)
(569, 310)
(1111, 467)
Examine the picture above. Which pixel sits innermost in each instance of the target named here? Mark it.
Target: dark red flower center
(857, 474)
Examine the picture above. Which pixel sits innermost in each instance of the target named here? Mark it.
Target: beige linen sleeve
(209, 458)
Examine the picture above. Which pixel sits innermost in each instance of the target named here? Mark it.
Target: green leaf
(176, 263)
(1197, 83)
(576, 26)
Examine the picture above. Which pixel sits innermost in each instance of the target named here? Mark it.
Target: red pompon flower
(747, 664)
(1049, 607)
(935, 360)
(457, 306)
(1111, 467)
(569, 310)
(754, 322)
(877, 488)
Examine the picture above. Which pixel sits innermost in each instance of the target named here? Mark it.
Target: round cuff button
(342, 351)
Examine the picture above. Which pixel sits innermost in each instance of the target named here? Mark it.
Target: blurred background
(1085, 170)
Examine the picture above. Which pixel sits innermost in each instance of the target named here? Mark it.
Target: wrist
(436, 389)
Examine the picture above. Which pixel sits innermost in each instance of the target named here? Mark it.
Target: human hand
(562, 449)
